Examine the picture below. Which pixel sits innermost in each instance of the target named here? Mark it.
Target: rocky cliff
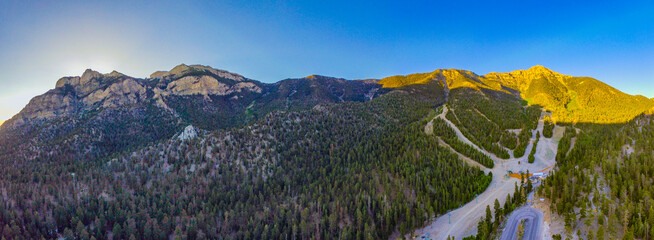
(93, 90)
(212, 87)
(95, 114)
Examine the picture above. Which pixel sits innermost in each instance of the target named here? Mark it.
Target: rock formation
(94, 90)
(177, 92)
(188, 133)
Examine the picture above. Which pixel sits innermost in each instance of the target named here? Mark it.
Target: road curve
(533, 219)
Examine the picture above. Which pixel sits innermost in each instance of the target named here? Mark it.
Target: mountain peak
(179, 69)
(87, 77)
(89, 74)
(521, 79)
(182, 69)
(316, 76)
(540, 71)
(453, 78)
(539, 68)
(114, 73)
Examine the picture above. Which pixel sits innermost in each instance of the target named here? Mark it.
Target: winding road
(533, 219)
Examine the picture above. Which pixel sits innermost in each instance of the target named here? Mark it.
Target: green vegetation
(350, 170)
(485, 118)
(583, 99)
(573, 99)
(531, 157)
(509, 140)
(599, 172)
(521, 229)
(600, 103)
(565, 143)
(400, 81)
(453, 78)
(449, 136)
(548, 128)
(524, 137)
(313, 158)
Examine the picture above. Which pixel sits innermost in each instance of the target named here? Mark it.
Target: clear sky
(41, 41)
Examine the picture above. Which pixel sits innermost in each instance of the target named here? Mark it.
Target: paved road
(533, 219)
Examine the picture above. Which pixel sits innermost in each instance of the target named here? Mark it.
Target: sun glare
(75, 68)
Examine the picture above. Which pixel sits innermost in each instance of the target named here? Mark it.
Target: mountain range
(197, 151)
(571, 99)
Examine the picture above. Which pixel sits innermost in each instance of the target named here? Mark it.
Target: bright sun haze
(269, 41)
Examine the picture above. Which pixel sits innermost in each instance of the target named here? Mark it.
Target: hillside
(452, 78)
(570, 99)
(573, 99)
(108, 113)
(603, 183)
(352, 165)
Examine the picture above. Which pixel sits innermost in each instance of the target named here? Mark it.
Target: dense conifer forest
(485, 118)
(603, 184)
(351, 170)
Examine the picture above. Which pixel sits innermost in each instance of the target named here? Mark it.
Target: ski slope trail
(463, 221)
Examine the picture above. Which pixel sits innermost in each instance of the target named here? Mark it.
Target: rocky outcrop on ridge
(93, 90)
(193, 92)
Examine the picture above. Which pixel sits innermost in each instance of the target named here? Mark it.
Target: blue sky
(41, 41)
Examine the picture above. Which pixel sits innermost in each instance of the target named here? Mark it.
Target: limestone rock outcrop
(94, 90)
(207, 85)
(188, 133)
(125, 92)
(49, 105)
(87, 83)
(194, 85)
(183, 69)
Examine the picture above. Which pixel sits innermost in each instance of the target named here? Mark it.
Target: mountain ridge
(94, 109)
(537, 85)
(569, 98)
